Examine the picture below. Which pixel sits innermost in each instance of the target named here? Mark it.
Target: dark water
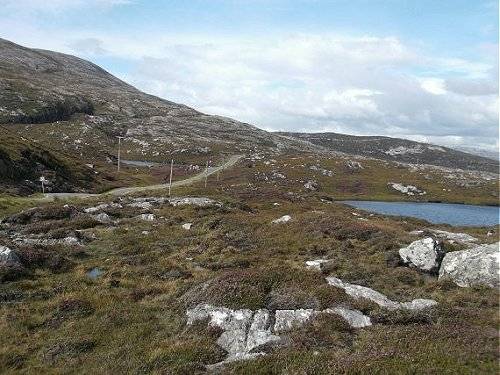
(94, 273)
(436, 213)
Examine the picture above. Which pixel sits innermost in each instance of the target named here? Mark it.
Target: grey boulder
(8, 257)
(475, 266)
(425, 254)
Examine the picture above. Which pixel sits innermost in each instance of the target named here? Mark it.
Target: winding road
(136, 189)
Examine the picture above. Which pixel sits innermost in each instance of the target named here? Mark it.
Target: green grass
(131, 319)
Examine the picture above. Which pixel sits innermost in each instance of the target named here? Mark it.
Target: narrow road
(136, 189)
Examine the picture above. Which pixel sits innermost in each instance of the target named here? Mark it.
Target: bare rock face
(358, 291)
(475, 266)
(246, 332)
(243, 330)
(406, 189)
(425, 254)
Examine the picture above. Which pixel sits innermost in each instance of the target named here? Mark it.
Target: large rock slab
(425, 254)
(475, 266)
(358, 292)
(246, 332)
(243, 330)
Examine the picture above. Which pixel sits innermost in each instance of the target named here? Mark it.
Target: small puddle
(94, 273)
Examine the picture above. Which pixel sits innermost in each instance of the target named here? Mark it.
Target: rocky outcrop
(457, 237)
(475, 266)
(8, 257)
(146, 217)
(40, 241)
(406, 189)
(243, 331)
(193, 201)
(425, 254)
(358, 292)
(311, 185)
(445, 235)
(283, 219)
(246, 332)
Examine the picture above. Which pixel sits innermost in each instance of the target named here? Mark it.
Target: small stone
(187, 226)
(311, 185)
(146, 217)
(315, 264)
(283, 219)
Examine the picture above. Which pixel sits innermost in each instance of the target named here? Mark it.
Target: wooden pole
(206, 174)
(119, 151)
(170, 183)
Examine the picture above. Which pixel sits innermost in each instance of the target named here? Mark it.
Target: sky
(425, 70)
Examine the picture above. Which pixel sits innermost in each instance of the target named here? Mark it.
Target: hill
(399, 150)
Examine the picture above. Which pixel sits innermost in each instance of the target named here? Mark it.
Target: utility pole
(119, 151)
(171, 171)
(42, 180)
(206, 174)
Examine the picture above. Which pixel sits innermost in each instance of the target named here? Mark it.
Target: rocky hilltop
(400, 150)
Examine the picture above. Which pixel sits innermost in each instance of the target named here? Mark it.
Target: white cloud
(301, 82)
(435, 86)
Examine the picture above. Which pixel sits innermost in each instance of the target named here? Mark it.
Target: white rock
(459, 237)
(102, 218)
(96, 208)
(144, 205)
(425, 254)
(475, 266)
(260, 333)
(315, 264)
(406, 189)
(8, 257)
(311, 185)
(358, 292)
(286, 320)
(187, 226)
(245, 332)
(194, 201)
(283, 219)
(355, 318)
(146, 217)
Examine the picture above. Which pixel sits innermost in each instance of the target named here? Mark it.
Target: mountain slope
(50, 96)
(395, 149)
